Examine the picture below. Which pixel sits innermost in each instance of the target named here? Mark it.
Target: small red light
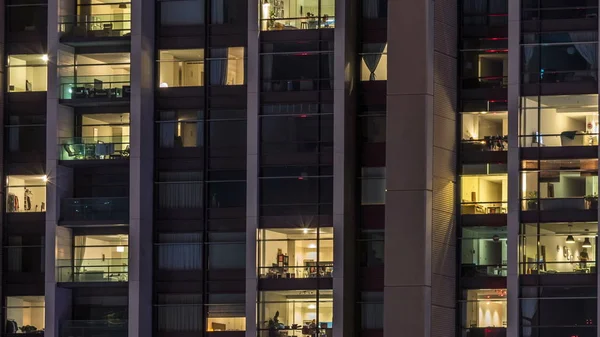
(303, 116)
(300, 178)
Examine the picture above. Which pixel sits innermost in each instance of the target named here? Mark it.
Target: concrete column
(344, 172)
(598, 224)
(59, 185)
(409, 169)
(514, 206)
(2, 170)
(252, 162)
(141, 162)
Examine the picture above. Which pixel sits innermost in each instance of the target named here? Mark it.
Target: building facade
(182, 168)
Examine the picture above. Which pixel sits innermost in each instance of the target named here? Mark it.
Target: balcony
(89, 328)
(92, 270)
(93, 148)
(100, 26)
(95, 88)
(114, 209)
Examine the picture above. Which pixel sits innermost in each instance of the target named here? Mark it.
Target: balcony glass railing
(78, 209)
(324, 270)
(92, 270)
(488, 143)
(565, 138)
(101, 86)
(484, 207)
(103, 25)
(562, 267)
(114, 327)
(560, 204)
(89, 148)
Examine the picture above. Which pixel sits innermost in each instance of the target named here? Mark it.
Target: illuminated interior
(486, 308)
(484, 194)
(27, 72)
(23, 311)
(298, 310)
(297, 14)
(295, 252)
(25, 193)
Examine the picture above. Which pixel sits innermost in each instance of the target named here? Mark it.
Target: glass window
(299, 71)
(551, 248)
(483, 131)
(295, 252)
(227, 251)
(559, 58)
(371, 245)
(179, 251)
(228, 12)
(24, 254)
(287, 14)
(181, 128)
(227, 66)
(371, 309)
(373, 186)
(26, 134)
(100, 76)
(180, 190)
(374, 9)
(27, 72)
(308, 190)
(299, 312)
(563, 120)
(98, 18)
(96, 258)
(179, 312)
(485, 68)
(372, 128)
(25, 193)
(98, 136)
(484, 193)
(25, 314)
(30, 18)
(181, 12)
(484, 308)
(181, 68)
(226, 312)
(484, 12)
(373, 65)
(558, 185)
(484, 251)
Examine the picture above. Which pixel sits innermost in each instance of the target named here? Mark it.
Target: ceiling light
(45, 178)
(312, 306)
(570, 239)
(305, 230)
(120, 249)
(312, 246)
(586, 243)
(45, 58)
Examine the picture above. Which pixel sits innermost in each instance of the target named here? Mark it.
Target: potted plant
(28, 329)
(116, 317)
(532, 201)
(274, 325)
(591, 201)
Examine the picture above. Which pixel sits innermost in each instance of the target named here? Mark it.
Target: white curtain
(267, 66)
(217, 11)
(167, 130)
(180, 251)
(589, 51)
(180, 190)
(370, 9)
(218, 66)
(179, 312)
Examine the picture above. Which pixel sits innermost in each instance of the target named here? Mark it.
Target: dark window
(227, 251)
(179, 312)
(181, 12)
(27, 18)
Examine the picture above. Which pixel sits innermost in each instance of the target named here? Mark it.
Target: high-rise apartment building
(229, 168)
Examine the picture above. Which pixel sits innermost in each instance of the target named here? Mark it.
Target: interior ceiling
(577, 228)
(185, 54)
(574, 103)
(109, 58)
(106, 118)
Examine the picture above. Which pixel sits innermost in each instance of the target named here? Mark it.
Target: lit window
(26, 193)
(485, 308)
(27, 73)
(181, 68)
(296, 311)
(288, 14)
(25, 314)
(227, 66)
(373, 65)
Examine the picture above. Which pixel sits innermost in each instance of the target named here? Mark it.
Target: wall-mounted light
(45, 58)
(44, 178)
(312, 306)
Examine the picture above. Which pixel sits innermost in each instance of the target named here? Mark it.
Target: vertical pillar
(141, 163)
(252, 162)
(344, 166)
(2, 119)
(59, 184)
(514, 82)
(598, 223)
(409, 169)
